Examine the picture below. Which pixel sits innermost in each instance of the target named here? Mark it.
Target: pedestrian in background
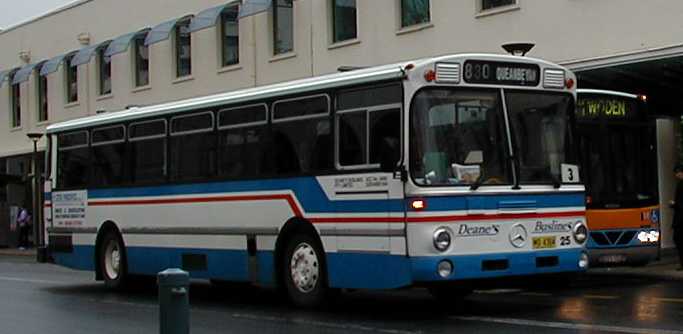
(24, 223)
(677, 205)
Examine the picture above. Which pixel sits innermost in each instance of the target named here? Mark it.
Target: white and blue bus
(441, 172)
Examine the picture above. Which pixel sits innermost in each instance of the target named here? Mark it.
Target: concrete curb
(17, 252)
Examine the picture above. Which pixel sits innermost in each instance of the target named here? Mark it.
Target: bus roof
(606, 92)
(394, 71)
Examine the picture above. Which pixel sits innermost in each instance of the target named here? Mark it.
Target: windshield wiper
(515, 165)
(556, 182)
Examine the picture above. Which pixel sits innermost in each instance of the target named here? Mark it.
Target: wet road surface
(49, 299)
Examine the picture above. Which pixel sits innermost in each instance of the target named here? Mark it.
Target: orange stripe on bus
(607, 219)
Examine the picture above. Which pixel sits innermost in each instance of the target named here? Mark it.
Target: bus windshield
(459, 137)
(541, 130)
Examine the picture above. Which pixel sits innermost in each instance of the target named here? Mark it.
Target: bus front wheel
(113, 260)
(304, 271)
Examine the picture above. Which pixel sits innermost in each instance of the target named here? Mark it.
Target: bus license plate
(544, 242)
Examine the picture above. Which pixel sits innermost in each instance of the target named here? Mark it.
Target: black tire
(113, 266)
(308, 289)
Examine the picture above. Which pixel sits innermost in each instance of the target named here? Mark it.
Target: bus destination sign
(501, 73)
(604, 108)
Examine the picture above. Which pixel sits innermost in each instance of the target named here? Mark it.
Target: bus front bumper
(640, 255)
(472, 267)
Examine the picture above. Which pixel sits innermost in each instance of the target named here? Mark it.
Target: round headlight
(442, 239)
(580, 233)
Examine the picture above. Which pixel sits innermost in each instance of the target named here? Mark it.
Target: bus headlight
(648, 236)
(442, 239)
(580, 233)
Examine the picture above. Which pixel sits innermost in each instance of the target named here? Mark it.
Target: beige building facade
(583, 35)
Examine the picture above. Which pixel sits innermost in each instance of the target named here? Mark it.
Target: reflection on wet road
(46, 298)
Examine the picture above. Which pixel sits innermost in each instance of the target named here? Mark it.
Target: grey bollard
(174, 301)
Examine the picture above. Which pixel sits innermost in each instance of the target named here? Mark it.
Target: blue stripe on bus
(313, 199)
(493, 202)
(347, 270)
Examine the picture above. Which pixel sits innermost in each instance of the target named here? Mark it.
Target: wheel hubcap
(112, 259)
(304, 268)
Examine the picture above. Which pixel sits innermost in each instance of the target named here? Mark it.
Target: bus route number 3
(570, 173)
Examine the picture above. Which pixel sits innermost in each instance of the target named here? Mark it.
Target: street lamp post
(37, 225)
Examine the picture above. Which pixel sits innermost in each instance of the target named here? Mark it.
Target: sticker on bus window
(570, 173)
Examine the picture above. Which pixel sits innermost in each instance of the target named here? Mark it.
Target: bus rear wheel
(113, 260)
(304, 271)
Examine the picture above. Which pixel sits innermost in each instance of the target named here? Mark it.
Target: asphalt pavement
(44, 298)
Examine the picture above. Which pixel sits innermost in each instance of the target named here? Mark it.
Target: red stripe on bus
(288, 198)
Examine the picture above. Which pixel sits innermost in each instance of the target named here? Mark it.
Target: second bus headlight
(442, 239)
(580, 233)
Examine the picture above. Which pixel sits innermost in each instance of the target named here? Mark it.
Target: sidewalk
(665, 268)
(17, 252)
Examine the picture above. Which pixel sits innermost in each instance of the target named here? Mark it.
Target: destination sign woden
(501, 73)
(605, 108)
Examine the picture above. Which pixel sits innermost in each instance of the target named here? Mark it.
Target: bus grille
(613, 238)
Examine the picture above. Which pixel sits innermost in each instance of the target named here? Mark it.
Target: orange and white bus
(618, 147)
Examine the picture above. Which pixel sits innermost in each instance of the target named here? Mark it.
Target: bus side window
(242, 142)
(108, 150)
(74, 159)
(147, 142)
(302, 135)
(366, 118)
(193, 147)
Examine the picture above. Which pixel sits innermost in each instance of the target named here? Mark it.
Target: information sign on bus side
(501, 73)
(69, 208)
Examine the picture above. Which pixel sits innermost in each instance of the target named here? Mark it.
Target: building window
(16, 105)
(141, 59)
(230, 40)
(491, 4)
(343, 20)
(104, 63)
(71, 81)
(414, 12)
(42, 98)
(183, 49)
(283, 26)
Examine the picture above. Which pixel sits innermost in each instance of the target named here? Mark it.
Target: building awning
(162, 31)
(120, 44)
(52, 65)
(252, 7)
(84, 55)
(209, 17)
(25, 72)
(6, 75)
